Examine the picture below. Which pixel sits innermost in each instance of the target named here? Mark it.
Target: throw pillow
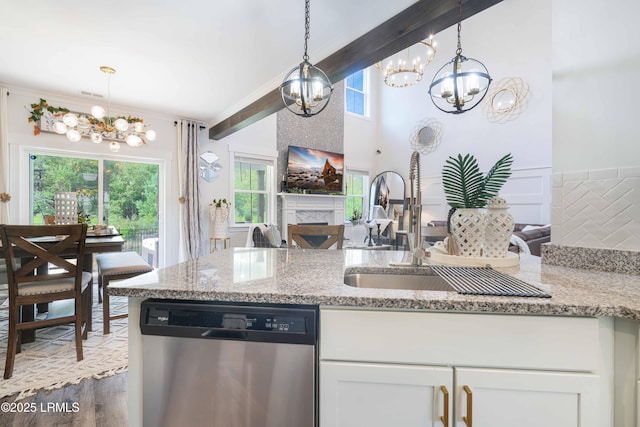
(273, 235)
(534, 227)
(259, 240)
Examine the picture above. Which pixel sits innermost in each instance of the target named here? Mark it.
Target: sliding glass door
(130, 204)
(119, 193)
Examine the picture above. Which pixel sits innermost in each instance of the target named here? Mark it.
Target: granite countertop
(316, 277)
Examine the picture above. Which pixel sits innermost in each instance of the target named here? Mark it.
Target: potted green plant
(356, 216)
(467, 191)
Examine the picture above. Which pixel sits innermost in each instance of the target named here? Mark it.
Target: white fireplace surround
(303, 208)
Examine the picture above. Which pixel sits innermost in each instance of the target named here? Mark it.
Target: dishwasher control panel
(225, 321)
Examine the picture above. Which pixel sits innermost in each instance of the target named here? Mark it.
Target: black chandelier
(306, 89)
(460, 84)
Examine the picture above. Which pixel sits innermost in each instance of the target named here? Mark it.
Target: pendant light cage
(460, 84)
(306, 89)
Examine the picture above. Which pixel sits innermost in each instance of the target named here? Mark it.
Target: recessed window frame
(366, 92)
(365, 191)
(270, 186)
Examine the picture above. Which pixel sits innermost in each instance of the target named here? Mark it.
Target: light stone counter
(316, 277)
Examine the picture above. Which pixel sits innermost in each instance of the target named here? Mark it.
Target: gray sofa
(533, 238)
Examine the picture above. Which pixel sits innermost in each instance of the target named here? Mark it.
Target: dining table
(97, 241)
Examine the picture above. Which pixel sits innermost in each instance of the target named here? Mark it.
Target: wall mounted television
(314, 171)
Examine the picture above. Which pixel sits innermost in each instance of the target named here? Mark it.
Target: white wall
(596, 61)
(596, 155)
(361, 133)
(259, 138)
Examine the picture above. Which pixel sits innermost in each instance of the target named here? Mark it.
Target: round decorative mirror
(504, 100)
(426, 135)
(507, 99)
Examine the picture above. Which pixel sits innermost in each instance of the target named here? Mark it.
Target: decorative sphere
(73, 135)
(60, 128)
(121, 124)
(98, 112)
(70, 120)
(133, 140)
(96, 137)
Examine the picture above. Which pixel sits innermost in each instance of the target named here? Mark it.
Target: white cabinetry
(381, 368)
(371, 394)
(507, 398)
(626, 373)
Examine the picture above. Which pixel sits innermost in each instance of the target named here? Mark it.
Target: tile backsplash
(595, 218)
(597, 209)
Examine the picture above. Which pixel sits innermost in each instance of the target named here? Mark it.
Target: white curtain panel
(188, 157)
(4, 152)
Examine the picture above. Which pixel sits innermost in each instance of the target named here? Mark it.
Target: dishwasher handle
(224, 333)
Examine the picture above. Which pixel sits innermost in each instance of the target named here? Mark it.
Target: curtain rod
(175, 123)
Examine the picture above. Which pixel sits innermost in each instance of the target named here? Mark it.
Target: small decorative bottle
(498, 229)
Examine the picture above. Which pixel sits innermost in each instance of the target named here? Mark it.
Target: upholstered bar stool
(116, 266)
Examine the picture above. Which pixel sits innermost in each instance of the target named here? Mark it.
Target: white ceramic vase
(499, 228)
(218, 217)
(467, 230)
(359, 233)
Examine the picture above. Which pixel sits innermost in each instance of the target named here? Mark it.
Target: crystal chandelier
(461, 83)
(406, 68)
(306, 89)
(100, 126)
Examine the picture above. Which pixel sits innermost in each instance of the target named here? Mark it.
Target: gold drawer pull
(445, 418)
(468, 419)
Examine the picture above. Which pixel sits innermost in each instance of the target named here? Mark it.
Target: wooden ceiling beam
(405, 29)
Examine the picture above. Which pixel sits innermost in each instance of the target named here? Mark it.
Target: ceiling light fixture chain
(306, 89)
(307, 25)
(459, 49)
(462, 83)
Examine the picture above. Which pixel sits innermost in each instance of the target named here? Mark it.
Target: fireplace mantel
(300, 208)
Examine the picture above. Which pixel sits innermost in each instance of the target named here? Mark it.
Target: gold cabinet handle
(445, 418)
(468, 419)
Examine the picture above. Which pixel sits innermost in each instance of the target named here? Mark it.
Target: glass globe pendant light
(306, 89)
(101, 126)
(460, 84)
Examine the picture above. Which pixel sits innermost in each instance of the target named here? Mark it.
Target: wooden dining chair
(310, 236)
(30, 248)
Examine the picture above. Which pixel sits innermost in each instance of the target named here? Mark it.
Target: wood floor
(92, 402)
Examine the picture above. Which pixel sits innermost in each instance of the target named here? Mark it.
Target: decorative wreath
(506, 99)
(426, 135)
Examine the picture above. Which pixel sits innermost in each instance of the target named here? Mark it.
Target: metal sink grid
(486, 281)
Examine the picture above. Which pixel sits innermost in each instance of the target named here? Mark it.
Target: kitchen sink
(423, 281)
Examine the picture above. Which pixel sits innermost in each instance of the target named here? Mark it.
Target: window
(357, 189)
(355, 93)
(253, 188)
(118, 193)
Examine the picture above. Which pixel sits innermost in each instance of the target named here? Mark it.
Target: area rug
(50, 362)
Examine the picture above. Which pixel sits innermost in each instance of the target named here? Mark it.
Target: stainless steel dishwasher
(231, 365)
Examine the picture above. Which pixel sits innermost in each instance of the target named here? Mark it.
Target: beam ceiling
(408, 27)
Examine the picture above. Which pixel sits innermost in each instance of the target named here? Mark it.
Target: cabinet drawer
(482, 340)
